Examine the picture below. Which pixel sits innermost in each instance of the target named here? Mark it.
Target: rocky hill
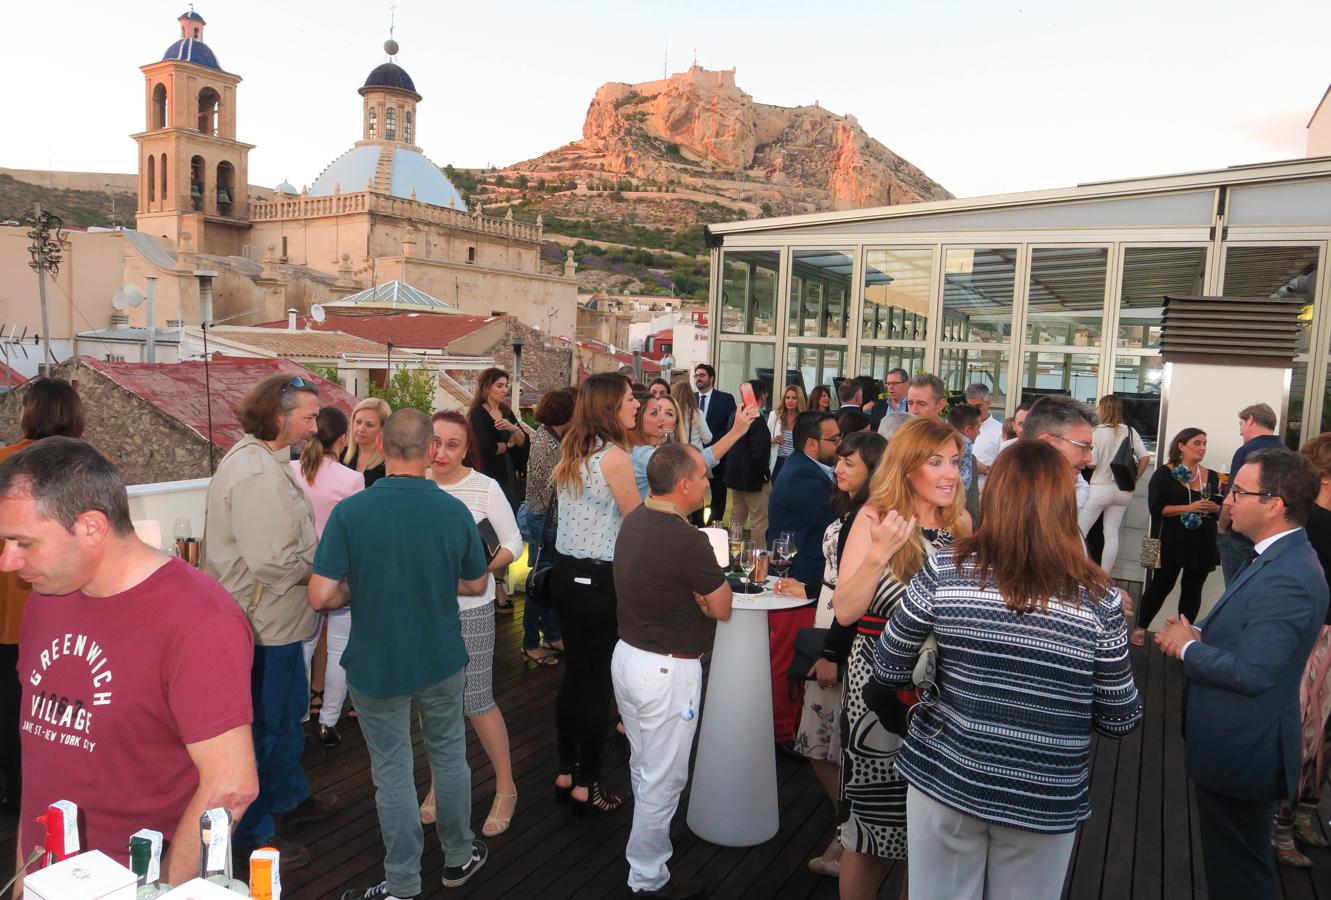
(695, 148)
(82, 208)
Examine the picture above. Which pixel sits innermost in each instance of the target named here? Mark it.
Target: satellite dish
(129, 295)
(317, 313)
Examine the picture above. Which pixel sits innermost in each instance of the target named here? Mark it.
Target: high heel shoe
(563, 794)
(494, 824)
(598, 803)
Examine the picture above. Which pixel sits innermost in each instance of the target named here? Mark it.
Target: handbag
(1149, 556)
(809, 643)
(1124, 464)
(489, 539)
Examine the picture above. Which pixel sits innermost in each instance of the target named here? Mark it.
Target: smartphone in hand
(746, 395)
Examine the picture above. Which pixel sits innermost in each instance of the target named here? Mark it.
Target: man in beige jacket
(259, 542)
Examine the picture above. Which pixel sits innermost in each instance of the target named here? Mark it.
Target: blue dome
(390, 75)
(193, 51)
(411, 171)
(287, 187)
(193, 17)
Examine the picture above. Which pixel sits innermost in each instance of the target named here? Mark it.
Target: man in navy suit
(801, 503)
(1244, 664)
(717, 408)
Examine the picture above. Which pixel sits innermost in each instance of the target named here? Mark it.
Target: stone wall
(544, 367)
(147, 445)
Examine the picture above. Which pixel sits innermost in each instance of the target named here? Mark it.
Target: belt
(683, 655)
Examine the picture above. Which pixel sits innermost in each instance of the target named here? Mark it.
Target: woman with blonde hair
(1032, 661)
(656, 424)
(781, 423)
(1297, 817)
(916, 504)
(1106, 497)
(594, 490)
(362, 453)
(692, 423)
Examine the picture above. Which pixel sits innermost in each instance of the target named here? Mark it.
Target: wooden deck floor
(1140, 843)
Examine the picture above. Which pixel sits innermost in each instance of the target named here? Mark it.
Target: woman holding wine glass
(819, 734)
(1183, 517)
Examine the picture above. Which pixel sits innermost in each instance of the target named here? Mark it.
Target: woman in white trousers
(1105, 497)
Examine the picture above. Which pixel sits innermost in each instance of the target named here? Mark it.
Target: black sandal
(550, 660)
(598, 802)
(316, 701)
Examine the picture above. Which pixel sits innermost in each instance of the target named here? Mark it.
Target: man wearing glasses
(1244, 666)
(801, 503)
(1067, 426)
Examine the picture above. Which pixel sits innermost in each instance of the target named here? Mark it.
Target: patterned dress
(873, 795)
(819, 735)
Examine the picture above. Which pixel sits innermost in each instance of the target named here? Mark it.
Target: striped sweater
(1009, 739)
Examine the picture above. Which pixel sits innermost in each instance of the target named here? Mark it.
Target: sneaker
(456, 876)
(379, 892)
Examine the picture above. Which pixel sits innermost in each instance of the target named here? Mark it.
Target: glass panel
(1298, 391)
(819, 291)
(1148, 274)
(1076, 374)
(1137, 380)
(1066, 297)
(876, 361)
(738, 362)
(960, 368)
(977, 295)
(810, 365)
(1274, 272)
(896, 294)
(748, 291)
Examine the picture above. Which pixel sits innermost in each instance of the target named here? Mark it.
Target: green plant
(328, 373)
(409, 389)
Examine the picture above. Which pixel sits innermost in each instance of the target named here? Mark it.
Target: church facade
(382, 211)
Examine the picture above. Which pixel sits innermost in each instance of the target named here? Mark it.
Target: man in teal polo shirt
(400, 553)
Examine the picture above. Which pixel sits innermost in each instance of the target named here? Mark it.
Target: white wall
(166, 501)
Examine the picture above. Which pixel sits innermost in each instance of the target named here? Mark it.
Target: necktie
(702, 402)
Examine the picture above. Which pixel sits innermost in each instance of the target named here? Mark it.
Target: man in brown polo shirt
(671, 592)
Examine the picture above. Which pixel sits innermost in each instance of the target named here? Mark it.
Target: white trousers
(953, 856)
(1107, 499)
(335, 677)
(658, 699)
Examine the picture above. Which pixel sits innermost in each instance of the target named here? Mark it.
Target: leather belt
(683, 655)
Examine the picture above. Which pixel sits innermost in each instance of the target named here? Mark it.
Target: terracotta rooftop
(181, 391)
(414, 331)
(10, 377)
(323, 343)
(601, 348)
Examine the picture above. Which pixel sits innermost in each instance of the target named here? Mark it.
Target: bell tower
(193, 173)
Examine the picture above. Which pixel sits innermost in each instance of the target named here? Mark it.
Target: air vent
(119, 320)
(1264, 329)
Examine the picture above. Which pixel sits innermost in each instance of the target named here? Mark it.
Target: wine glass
(1206, 489)
(182, 531)
(782, 551)
(748, 558)
(736, 544)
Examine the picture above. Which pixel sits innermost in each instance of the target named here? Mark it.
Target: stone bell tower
(193, 173)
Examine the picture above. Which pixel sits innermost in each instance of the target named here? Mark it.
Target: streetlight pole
(45, 253)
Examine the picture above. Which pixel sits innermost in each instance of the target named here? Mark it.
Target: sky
(985, 97)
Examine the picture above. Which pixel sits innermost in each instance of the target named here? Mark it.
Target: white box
(198, 889)
(88, 876)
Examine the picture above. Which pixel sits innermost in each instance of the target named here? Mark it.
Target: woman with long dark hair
(1032, 660)
(501, 444)
(1183, 517)
(326, 482)
(595, 490)
(820, 398)
(917, 483)
(454, 470)
(819, 734)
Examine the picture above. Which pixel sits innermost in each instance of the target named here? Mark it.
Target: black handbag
(1124, 464)
(489, 539)
(543, 559)
(809, 643)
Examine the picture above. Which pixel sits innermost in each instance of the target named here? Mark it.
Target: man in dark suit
(1244, 665)
(717, 408)
(747, 473)
(801, 503)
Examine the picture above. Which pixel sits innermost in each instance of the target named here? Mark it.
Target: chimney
(291, 320)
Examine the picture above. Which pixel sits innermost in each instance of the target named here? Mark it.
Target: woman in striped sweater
(1032, 659)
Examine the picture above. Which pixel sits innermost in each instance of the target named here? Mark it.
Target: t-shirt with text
(114, 688)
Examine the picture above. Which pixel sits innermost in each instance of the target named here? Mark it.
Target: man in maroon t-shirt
(135, 667)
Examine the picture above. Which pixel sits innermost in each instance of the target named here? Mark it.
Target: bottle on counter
(265, 877)
(215, 852)
(145, 860)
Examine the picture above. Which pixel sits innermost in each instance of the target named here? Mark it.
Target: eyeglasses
(834, 439)
(1240, 492)
(1080, 445)
(895, 383)
(296, 383)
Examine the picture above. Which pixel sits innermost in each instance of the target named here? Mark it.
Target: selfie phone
(746, 395)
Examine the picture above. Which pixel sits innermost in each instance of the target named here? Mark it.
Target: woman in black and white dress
(916, 502)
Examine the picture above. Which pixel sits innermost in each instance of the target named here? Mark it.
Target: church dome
(389, 75)
(192, 50)
(409, 171)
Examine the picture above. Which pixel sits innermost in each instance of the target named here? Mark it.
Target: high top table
(733, 800)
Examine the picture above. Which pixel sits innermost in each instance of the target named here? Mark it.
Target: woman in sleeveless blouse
(916, 502)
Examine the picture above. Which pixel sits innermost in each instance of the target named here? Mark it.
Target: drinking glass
(182, 529)
(1206, 489)
(782, 551)
(748, 558)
